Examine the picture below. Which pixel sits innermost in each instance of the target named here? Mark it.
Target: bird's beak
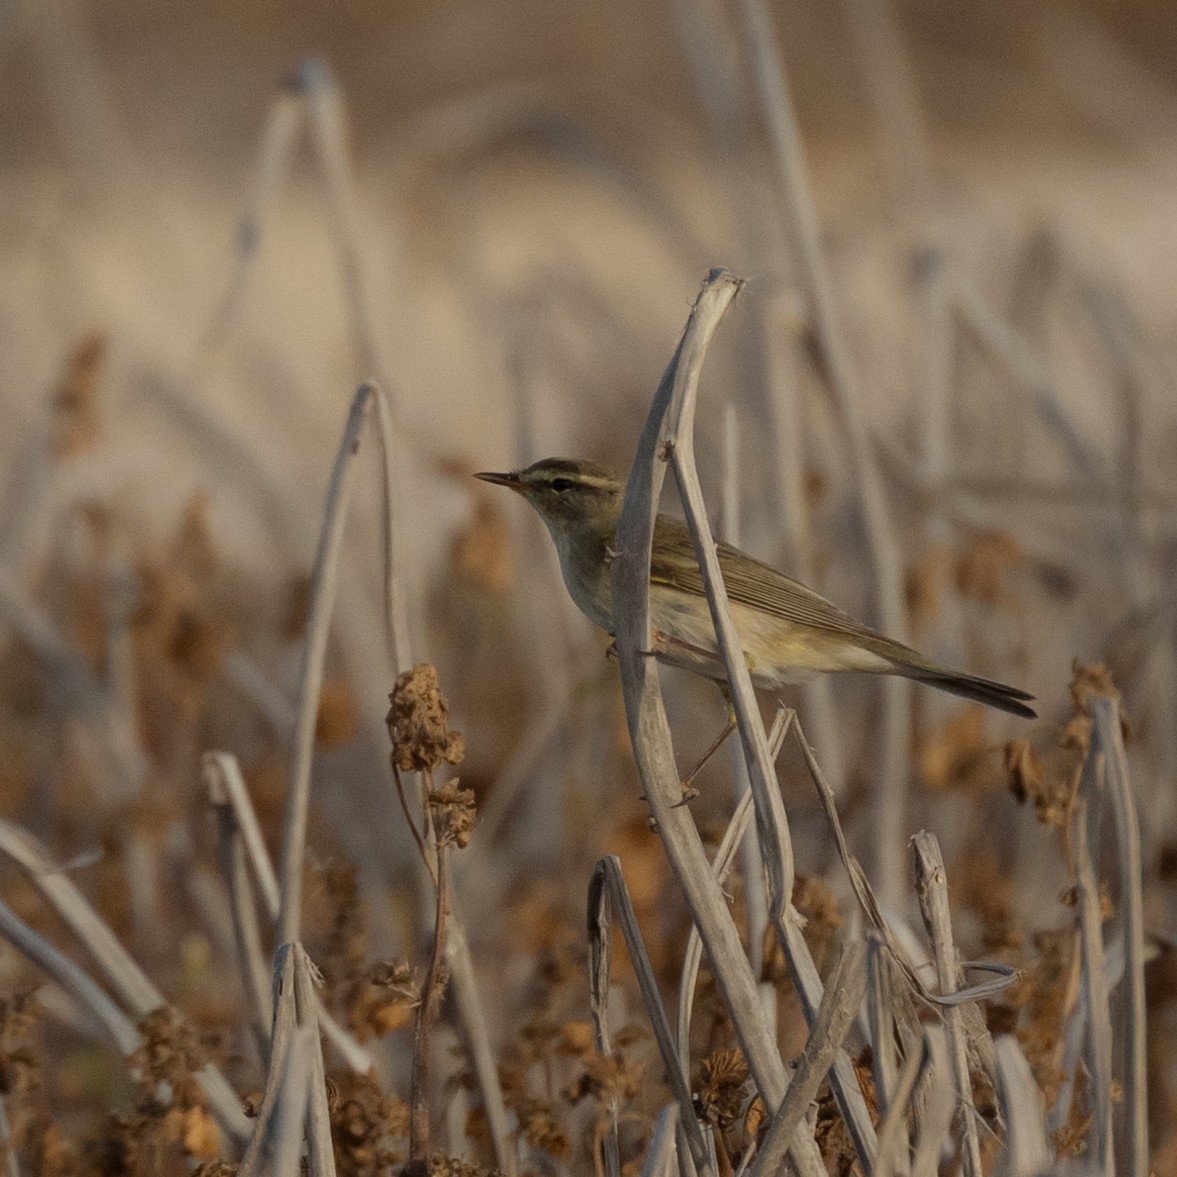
(511, 480)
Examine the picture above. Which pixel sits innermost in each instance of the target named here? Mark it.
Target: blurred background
(955, 350)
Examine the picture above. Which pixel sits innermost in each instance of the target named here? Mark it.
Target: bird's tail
(971, 686)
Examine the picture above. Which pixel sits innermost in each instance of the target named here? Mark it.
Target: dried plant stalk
(323, 585)
(931, 884)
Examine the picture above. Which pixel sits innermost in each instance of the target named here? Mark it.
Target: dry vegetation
(263, 904)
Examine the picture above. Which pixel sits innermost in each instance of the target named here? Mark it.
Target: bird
(788, 632)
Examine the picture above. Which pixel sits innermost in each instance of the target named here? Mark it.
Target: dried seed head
(452, 810)
(417, 723)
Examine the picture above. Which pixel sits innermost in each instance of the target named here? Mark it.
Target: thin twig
(226, 786)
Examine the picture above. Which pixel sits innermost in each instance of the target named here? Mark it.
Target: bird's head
(570, 495)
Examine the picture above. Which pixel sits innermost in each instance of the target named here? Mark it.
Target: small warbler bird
(788, 631)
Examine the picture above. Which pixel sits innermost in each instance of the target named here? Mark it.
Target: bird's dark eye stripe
(560, 485)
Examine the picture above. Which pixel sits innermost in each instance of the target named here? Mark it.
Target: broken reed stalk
(649, 729)
(422, 741)
(893, 1156)
(931, 884)
(767, 67)
(323, 586)
(294, 1101)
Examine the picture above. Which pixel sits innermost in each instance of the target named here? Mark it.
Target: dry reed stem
(320, 1154)
(476, 1040)
(1026, 1151)
(608, 897)
(323, 585)
(274, 154)
(131, 985)
(1095, 983)
(931, 884)
(262, 1144)
(662, 1154)
(255, 977)
(771, 819)
(839, 1007)
(939, 1105)
(733, 839)
(768, 70)
(649, 729)
(1109, 738)
(226, 788)
(74, 980)
(894, 1156)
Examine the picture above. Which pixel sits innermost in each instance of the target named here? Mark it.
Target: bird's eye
(560, 485)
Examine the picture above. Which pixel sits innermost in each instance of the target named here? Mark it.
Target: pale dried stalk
(323, 585)
(274, 154)
(1109, 737)
(1095, 985)
(939, 1106)
(890, 793)
(839, 1007)
(771, 821)
(609, 896)
(131, 985)
(649, 730)
(320, 1154)
(662, 1154)
(1026, 1151)
(733, 839)
(74, 980)
(932, 888)
(263, 1142)
(894, 1146)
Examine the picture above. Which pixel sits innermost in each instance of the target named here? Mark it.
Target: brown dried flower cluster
(417, 723)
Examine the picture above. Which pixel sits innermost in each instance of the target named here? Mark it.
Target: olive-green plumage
(788, 631)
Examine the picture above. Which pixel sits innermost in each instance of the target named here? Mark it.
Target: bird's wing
(759, 585)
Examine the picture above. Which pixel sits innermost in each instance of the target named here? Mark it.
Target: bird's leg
(688, 783)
